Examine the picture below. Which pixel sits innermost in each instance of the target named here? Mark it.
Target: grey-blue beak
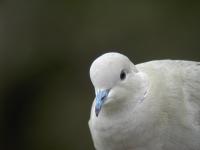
(101, 96)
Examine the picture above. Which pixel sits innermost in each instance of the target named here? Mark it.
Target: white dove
(150, 106)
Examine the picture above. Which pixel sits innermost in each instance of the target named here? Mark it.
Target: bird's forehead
(112, 61)
(104, 76)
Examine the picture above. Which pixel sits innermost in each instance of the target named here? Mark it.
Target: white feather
(157, 106)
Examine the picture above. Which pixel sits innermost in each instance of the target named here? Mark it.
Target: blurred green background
(46, 48)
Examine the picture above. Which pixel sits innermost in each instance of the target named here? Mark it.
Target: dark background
(46, 48)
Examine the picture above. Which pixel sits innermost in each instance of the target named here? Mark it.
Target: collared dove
(149, 106)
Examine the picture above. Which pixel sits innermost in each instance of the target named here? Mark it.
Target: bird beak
(101, 96)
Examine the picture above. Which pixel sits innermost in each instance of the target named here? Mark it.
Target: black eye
(122, 75)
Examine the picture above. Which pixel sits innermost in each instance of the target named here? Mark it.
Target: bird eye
(122, 75)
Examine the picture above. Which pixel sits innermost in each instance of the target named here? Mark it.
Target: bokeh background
(46, 48)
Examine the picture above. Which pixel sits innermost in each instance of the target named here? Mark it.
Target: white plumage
(149, 106)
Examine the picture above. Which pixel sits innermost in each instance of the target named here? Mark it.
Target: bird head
(115, 79)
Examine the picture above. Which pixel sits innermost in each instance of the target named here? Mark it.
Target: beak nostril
(103, 97)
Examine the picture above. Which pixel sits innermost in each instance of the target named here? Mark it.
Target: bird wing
(186, 75)
(191, 88)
